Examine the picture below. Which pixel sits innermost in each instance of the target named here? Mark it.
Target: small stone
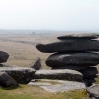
(36, 64)
(3, 56)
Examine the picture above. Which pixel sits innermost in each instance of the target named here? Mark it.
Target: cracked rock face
(94, 91)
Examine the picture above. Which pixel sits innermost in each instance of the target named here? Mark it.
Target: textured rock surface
(3, 56)
(58, 74)
(20, 74)
(39, 84)
(69, 45)
(6, 80)
(89, 82)
(94, 91)
(79, 36)
(64, 86)
(63, 59)
(70, 67)
(36, 64)
(90, 71)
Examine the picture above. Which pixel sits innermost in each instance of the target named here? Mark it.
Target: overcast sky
(50, 14)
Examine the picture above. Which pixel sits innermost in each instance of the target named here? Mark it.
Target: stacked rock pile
(76, 52)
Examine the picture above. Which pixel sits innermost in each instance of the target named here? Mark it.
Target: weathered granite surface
(73, 59)
(6, 80)
(20, 74)
(61, 86)
(69, 46)
(63, 74)
(94, 91)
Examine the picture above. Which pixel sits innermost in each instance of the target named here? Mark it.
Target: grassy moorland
(34, 92)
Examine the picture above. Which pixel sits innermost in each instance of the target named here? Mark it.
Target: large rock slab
(20, 74)
(79, 36)
(91, 71)
(6, 80)
(63, 74)
(3, 56)
(36, 64)
(64, 86)
(69, 46)
(94, 91)
(74, 59)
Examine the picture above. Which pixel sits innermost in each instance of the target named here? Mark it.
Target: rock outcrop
(63, 74)
(7, 81)
(75, 52)
(20, 74)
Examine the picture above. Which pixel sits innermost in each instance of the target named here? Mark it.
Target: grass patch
(97, 81)
(34, 92)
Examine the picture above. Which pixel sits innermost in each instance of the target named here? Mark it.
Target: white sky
(50, 14)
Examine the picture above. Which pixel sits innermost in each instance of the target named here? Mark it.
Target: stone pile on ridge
(76, 52)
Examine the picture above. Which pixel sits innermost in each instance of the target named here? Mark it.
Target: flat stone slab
(69, 46)
(94, 91)
(79, 36)
(73, 59)
(58, 74)
(39, 84)
(65, 86)
(20, 74)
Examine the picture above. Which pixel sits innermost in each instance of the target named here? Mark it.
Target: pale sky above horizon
(50, 14)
